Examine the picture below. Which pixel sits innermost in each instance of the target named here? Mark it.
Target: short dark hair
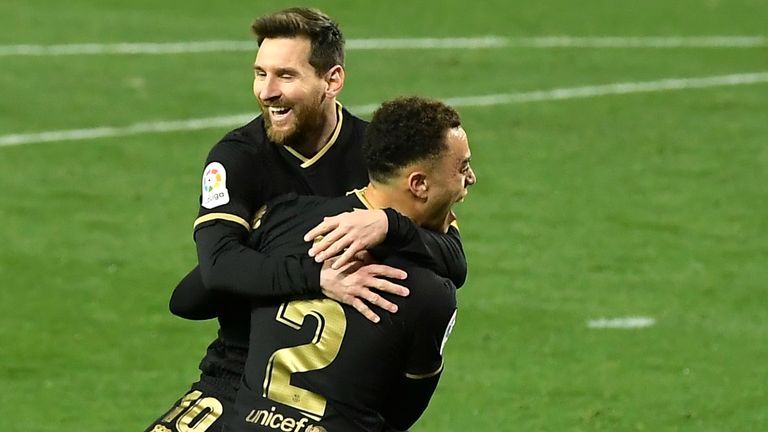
(406, 130)
(323, 33)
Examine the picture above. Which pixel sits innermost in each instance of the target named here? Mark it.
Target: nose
(471, 177)
(266, 89)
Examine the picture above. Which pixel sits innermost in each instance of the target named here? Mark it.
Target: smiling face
(290, 93)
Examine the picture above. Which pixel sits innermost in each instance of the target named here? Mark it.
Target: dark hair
(323, 33)
(406, 130)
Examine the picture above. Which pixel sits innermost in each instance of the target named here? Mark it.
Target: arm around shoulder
(442, 253)
(229, 265)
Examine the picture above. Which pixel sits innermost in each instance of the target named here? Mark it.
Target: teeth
(276, 110)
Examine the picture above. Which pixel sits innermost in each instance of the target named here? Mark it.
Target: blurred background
(617, 237)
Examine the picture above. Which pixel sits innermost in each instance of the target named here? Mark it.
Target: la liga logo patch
(215, 191)
(212, 179)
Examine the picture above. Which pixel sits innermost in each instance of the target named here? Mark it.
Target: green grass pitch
(646, 204)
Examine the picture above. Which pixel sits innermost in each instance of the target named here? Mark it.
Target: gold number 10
(193, 406)
(319, 353)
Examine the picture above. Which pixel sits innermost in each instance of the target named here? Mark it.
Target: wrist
(393, 224)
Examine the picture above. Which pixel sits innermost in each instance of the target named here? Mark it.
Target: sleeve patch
(215, 191)
(448, 331)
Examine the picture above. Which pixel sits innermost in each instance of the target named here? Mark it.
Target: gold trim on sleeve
(222, 216)
(426, 375)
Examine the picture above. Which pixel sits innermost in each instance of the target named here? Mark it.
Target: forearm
(442, 253)
(229, 266)
(191, 300)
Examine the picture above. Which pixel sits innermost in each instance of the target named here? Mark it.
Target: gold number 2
(319, 353)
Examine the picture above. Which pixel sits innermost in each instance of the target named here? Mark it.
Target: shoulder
(354, 122)
(251, 133)
(249, 139)
(292, 204)
(429, 291)
(241, 154)
(308, 208)
(353, 119)
(427, 314)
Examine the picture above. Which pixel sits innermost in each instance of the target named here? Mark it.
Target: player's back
(314, 362)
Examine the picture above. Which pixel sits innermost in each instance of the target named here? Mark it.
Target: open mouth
(279, 114)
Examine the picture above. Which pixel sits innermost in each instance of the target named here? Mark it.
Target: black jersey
(243, 171)
(315, 362)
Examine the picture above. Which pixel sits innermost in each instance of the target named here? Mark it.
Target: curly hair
(323, 33)
(405, 130)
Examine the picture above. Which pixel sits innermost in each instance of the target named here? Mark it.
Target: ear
(417, 184)
(334, 80)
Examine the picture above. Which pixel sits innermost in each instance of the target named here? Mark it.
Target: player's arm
(352, 283)
(232, 192)
(192, 300)
(197, 299)
(250, 274)
(349, 233)
(229, 265)
(431, 324)
(441, 252)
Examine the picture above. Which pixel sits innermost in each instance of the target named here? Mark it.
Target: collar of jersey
(306, 163)
(360, 194)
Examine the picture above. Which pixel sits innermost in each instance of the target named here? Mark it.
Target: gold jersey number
(193, 413)
(317, 354)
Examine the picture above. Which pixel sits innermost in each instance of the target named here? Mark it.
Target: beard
(308, 123)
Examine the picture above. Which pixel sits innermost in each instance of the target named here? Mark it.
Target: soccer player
(317, 365)
(304, 142)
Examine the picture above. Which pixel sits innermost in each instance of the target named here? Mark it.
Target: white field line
(399, 44)
(621, 323)
(467, 101)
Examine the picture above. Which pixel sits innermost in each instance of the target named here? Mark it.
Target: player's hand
(355, 282)
(354, 231)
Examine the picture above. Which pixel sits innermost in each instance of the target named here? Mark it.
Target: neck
(381, 195)
(311, 145)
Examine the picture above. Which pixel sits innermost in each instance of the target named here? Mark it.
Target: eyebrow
(278, 71)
